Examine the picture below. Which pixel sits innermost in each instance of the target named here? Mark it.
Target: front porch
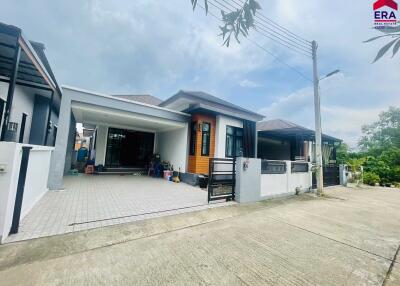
(96, 201)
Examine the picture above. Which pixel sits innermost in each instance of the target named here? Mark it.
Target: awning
(93, 108)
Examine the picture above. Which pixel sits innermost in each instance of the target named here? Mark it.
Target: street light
(330, 74)
(317, 107)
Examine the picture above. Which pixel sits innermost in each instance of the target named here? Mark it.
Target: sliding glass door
(128, 148)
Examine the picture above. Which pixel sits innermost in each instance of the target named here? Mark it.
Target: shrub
(371, 178)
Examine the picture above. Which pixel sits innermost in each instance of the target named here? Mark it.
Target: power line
(265, 18)
(290, 41)
(273, 29)
(265, 50)
(269, 35)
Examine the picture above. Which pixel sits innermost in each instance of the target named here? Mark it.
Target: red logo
(388, 3)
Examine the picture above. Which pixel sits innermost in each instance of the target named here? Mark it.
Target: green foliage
(382, 134)
(380, 149)
(355, 164)
(379, 167)
(342, 153)
(371, 179)
(237, 22)
(395, 44)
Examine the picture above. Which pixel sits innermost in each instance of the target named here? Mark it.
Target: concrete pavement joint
(389, 272)
(338, 241)
(142, 214)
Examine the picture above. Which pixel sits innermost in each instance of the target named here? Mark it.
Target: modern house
(186, 130)
(191, 132)
(280, 139)
(30, 97)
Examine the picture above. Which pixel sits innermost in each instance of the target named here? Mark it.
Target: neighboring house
(30, 101)
(280, 139)
(283, 140)
(186, 130)
(30, 97)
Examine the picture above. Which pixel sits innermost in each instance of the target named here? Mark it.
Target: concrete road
(349, 238)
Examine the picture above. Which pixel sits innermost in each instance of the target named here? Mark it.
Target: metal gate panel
(331, 176)
(222, 179)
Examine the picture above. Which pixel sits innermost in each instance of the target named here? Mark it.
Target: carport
(89, 201)
(169, 129)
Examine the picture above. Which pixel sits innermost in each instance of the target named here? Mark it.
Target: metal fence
(299, 167)
(273, 167)
(331, 176)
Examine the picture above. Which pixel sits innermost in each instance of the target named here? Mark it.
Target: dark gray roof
(143, 98)
(39, 49)
(207, 97)
(284, 127)
(278, 124)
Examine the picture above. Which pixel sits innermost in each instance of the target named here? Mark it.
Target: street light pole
(318, 132)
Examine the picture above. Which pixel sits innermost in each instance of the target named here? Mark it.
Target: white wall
(23, 102)
(220, 134)
(35, 185)
(36, 177)
(273, 185)
(173, 147)
(10, 159)
(252, 186)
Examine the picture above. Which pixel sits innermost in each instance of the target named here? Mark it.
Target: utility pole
(318, 133)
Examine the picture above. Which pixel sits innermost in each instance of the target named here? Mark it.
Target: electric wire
(273, 30)
(264, 49)
(269, 35)
(272, 22)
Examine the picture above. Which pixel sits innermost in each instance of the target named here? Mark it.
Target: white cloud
(249, 83)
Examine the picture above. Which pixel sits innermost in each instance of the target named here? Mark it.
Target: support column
(11, 88)
(48, 119)
(57, 164)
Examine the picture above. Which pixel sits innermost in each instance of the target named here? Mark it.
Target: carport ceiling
(98, 115)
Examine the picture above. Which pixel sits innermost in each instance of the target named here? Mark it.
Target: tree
(382, 134)
(381, 144)
(237, 22)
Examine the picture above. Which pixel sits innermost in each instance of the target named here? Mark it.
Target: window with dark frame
(193, 136)
(234, 142)
(205, 139)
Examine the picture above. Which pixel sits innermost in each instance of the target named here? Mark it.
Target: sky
(160, 47)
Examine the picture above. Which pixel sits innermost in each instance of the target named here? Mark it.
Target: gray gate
(331, 176)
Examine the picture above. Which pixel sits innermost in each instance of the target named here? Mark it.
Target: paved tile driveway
(96, 201)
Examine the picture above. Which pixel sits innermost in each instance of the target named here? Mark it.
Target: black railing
(300, 167)
(273, 167)
(222, 179)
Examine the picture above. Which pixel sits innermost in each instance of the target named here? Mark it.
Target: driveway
(349, 238)
(96, 201)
